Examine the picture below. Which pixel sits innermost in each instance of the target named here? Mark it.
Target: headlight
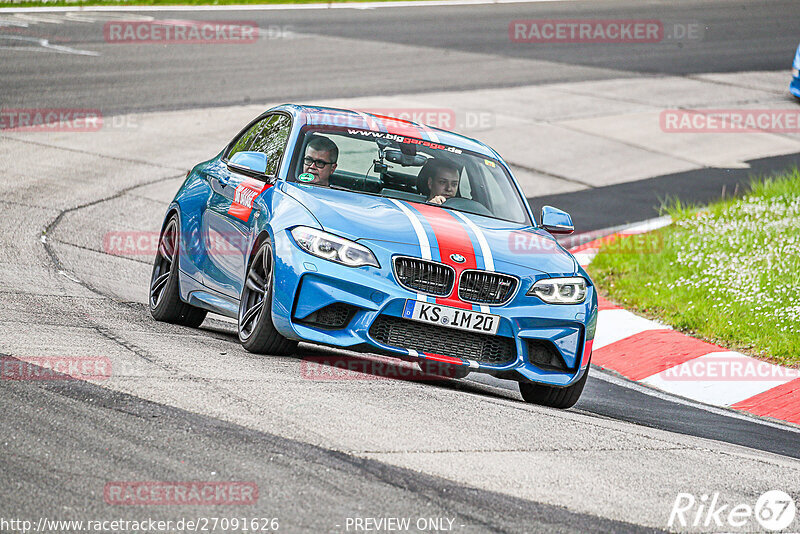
(560, 290)
(334, 248)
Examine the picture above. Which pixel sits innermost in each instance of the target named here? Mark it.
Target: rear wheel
(552, 396)
(165, 300)
(257, 333)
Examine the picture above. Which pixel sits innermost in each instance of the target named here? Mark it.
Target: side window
(268, 136)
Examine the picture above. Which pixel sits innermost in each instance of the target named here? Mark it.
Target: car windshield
(406, 168)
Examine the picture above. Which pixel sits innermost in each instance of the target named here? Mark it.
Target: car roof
(327, 116)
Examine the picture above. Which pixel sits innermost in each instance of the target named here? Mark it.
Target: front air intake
(544, 354)
(485, 287)
(424, 276)
(332, 316)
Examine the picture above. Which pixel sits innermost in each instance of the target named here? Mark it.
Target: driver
(443, 180)
(320, 160)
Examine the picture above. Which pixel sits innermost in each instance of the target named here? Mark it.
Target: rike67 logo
(774, 511)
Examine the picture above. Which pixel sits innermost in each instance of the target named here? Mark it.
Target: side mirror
(556, 221)
(252, 163)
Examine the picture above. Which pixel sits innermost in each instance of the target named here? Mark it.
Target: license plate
(471, 321)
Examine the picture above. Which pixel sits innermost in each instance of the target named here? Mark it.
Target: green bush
(728, 272)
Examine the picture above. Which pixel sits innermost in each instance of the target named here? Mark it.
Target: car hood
(363, 217)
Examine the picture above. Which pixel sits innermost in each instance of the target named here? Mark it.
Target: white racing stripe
(424, 244)
(431, 133)
(372, 123)
(422, 237)
(486, 252)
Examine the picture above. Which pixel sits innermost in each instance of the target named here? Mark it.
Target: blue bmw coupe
(794, 85)
(376, 234)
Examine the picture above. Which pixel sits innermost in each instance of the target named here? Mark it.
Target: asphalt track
(352, 52)
(192, 406)
(643, 199)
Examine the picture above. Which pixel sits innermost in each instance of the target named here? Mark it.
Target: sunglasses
(318, 163)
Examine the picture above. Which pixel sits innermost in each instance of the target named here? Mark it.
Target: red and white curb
(586, 246)
(654, 354)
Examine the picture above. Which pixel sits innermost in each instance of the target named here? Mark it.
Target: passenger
(320, 160)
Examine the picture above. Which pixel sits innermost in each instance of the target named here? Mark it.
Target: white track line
(43, 45)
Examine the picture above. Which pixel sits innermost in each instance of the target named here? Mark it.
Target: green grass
(82, 3)
(728, 273)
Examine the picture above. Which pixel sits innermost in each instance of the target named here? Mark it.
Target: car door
(231, 212)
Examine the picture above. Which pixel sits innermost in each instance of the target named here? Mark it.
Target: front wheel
(165, 300)
(552, 396)
(257, 333)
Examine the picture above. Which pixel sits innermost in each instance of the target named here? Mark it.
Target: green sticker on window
(306, 177)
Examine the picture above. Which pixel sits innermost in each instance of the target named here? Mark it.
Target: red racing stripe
(451, 238)
(444, 359)
(246, 192)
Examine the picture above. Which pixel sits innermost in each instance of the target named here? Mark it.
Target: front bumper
(307, 286)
